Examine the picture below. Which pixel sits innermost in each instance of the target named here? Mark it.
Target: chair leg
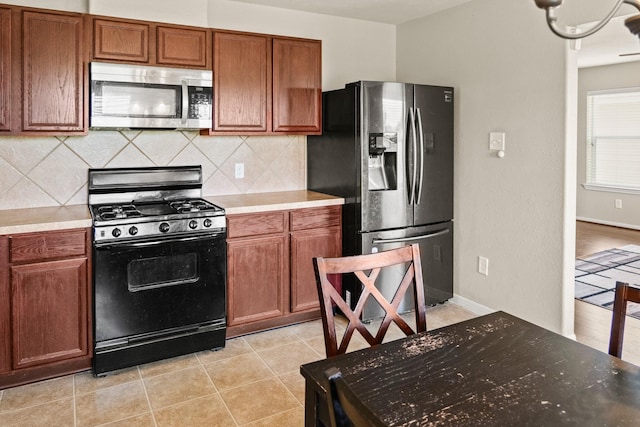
(618, 319)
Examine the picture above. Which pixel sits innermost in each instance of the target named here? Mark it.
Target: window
(613, 140)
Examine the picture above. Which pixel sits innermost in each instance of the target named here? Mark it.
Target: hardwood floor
(592, 238)
(593, 323)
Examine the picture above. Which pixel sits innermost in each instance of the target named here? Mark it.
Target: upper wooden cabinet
(189, 47)
(53, 78)
(149, 43)
(242, 89)
(266, 85)
(120, 40)
(47, 75)
(297, 86)
(5, 69)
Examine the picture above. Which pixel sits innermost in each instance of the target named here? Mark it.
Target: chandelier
(632, 23)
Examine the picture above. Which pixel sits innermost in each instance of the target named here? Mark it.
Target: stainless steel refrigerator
(387, 148)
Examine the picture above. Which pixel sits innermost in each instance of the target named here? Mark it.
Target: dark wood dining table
(493, 370)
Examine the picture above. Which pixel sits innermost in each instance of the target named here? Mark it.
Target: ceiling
(604, 47)
(385, 11)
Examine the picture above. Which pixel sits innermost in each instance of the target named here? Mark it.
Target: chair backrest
(624, 294)
(345, 409)
(367, 269)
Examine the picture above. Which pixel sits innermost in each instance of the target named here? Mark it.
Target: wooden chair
(624, 294)
(345, 409)
(367, 269)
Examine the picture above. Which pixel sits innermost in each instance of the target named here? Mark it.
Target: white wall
(509, 75)
(599, 206)
(185, 12)
(79, 6)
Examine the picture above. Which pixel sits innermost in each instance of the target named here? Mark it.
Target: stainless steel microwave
(136, 96)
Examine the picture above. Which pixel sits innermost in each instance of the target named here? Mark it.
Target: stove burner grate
(118, 211)
(183, 206)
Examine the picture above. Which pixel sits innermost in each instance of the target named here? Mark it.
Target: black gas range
(159, 266)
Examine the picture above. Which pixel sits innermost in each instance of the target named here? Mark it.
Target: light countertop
(13, 221)
(262, 202)
(28, 220)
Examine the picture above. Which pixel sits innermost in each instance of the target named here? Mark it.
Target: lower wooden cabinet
(304, 246)
(49, 312)
(257, 276)
(271, 281)
(45, 308)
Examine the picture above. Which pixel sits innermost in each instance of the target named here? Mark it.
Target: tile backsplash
(52, 171)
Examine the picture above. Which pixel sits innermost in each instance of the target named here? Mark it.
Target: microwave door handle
(185, 102)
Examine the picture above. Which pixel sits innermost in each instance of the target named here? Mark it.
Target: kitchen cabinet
(314, 232)
(241, 82)
(5, 69)
(297, 86)
(256, 267)
(266, 85)
(149, 43)
(46, 305)
(48, 72)
(271, 281)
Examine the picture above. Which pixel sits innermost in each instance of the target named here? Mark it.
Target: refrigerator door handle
(412, 238)
(414, 146)
(422, 154)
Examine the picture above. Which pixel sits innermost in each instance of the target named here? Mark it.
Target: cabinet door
(49, 311)
(52, 63)
(120, 40)
(5, 307)
(5, 69)
(241, 72)
(305, 245)
(256, 279)
(183, 47)
(297, 86)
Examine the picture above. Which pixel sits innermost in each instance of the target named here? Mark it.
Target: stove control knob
(207, 222)
(133, 230)
(193, 224)
(164, 227)
(116, 232)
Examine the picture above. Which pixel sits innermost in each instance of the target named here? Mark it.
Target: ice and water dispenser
(383, 152)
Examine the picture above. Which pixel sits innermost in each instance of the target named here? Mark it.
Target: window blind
(613, 138)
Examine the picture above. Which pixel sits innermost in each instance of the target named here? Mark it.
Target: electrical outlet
(239, 170)
(483, 265)
(618, 203)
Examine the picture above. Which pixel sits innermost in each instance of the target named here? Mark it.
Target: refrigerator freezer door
(434, 111)
(436, 250)
(382, 134)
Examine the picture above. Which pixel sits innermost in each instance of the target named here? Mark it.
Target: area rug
(597, 274)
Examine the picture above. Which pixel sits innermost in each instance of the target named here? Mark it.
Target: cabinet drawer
(256, 224)
(43, 246)
(323, 217)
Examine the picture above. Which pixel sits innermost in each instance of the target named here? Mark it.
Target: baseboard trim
(612, 223)
(472, 306)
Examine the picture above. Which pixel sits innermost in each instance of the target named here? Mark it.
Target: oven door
(165, 284)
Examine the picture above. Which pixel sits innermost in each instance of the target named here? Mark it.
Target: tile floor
(253, 381)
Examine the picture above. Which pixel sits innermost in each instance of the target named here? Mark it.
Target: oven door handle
(124, 245)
